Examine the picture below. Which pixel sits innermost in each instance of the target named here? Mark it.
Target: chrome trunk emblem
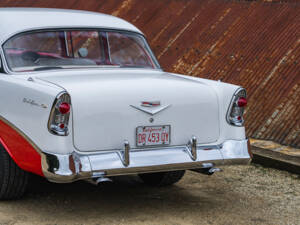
(151, 107)
(151, 104)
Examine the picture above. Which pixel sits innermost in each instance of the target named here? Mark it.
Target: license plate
(153, 135)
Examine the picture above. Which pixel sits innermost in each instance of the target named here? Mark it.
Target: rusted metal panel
(255, 44)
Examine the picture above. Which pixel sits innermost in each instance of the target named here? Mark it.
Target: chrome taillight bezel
(53, 126)
(241, 92)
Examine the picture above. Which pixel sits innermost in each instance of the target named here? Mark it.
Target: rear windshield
(76, 49)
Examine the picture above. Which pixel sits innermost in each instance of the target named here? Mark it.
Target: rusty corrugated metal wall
(252, 43)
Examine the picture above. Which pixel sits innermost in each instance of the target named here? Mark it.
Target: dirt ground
(239, 195)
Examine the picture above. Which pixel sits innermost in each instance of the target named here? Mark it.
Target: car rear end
(116, 131)
(92, 103)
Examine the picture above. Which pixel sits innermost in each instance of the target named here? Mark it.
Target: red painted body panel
(20, 150)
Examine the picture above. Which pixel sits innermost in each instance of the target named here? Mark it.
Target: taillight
(236, 109)
(60, 114)
(242, 102)
(64, 108)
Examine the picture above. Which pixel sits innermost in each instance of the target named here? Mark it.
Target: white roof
(16, 20)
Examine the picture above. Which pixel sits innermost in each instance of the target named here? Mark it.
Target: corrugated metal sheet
(252, 43)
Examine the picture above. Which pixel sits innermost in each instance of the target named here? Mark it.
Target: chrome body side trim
(75, 166)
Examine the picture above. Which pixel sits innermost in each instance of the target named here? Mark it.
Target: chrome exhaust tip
(208, 170)
(97, 181)
(213, 170)
(103, 180)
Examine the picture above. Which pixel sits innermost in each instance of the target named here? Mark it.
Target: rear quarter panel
(28, 118)
(225, 93)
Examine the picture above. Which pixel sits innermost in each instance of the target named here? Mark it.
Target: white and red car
(83, 97)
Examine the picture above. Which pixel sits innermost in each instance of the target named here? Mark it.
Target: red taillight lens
(60, 114)
(64, 108)
(242, 102)
(236, 109)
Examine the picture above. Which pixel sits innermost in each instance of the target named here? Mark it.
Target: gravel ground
(239, 195)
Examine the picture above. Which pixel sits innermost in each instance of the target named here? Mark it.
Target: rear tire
(162, 178)
(13, 180)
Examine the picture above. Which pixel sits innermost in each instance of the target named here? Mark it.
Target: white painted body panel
(199, 107)
(31, 120)
(103, 117)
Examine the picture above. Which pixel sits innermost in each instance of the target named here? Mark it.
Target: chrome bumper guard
(76, 166)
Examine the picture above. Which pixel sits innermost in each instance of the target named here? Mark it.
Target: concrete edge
(275, 159)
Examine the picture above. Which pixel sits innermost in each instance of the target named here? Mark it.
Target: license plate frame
(161, 143)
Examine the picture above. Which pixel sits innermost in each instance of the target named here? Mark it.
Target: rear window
(77, 48)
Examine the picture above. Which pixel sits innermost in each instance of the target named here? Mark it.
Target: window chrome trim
(108, 46)
(4, 63)
(66, 43)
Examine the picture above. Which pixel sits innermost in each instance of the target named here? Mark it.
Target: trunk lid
(103, 116)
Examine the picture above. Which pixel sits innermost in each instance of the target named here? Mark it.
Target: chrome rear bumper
(68, 168)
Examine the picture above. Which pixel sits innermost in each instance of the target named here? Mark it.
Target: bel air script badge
(33, 103)
(150, 107)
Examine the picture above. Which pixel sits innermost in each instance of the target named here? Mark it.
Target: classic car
(84, 98)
